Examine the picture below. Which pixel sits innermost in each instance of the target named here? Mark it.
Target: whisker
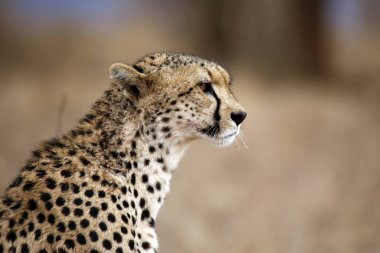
(242, 140)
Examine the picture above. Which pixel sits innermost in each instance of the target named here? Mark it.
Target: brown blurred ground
(307, 179)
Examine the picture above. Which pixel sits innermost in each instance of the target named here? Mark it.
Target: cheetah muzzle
(100, 186)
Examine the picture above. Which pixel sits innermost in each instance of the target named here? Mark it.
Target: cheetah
(99, 187)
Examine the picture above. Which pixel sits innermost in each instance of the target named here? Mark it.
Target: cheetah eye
(206, 87)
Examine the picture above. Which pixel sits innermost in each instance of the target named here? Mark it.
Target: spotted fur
(99, 187)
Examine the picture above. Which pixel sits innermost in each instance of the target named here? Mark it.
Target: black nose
(238, 117)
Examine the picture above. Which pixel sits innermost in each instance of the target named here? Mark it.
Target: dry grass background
(309, 180)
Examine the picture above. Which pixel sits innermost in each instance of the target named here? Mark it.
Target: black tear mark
(215, 128)
(211, 91)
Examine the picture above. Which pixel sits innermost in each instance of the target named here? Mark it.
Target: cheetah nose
(238, 117)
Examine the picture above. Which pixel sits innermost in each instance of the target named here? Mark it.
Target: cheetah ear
(131, 77)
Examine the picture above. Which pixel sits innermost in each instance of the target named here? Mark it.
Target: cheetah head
(182, 97)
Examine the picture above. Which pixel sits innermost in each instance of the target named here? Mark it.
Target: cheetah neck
(117, 139)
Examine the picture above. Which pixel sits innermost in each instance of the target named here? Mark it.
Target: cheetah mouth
(227, 136)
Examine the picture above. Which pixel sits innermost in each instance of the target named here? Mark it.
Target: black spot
(41, 218)
(36, 153)
(64, 187)
(24, 248)
(89, 193)
(84, 223)
(124, 190)
(133, 179)
(61, 227)
(165, 129)
(111, 217)
(51, 219)
(114, 154)
(57, 165)
(40, 173)
(101, 194)
(146, 162)
(17, 182)
(55, 143)
(128, 165)
(131, 244)
(72, 152)
(45, 196)
(144, 178)
(81, 239)
(107, 244)
(150, 189)
(145, 245)
(70, 244)
(50, 183)
(145, 214)
(60, 201)
(151, 222)
(23, 233)
(65, 211)
(50, 238)
(124, 230)
(158, 186)
(117, 237)
(66, 173)
(30, 226)
(93, 236)
(84, 161)
(32, 205)
(124, 218)
(11, 236)
(142, 203)
(16, 206)
(102, 226)
(37, 234)
(28, 185)
(78, 201)
(48, 205)
(104, 206)
(78, 212)
(11, 223)
(96, 178)
(119, 250)
(75, 188)
(152, 149)
(72, 225)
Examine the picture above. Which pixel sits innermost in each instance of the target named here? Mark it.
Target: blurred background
(307, 176)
